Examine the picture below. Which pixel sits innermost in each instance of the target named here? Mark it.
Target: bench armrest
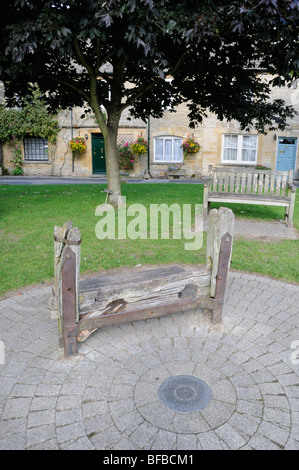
(292, 187)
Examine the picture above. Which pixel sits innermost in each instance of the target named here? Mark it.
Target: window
(239, 149)
(36, 149)
(168, 149)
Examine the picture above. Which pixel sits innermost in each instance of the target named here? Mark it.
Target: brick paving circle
(107, 396)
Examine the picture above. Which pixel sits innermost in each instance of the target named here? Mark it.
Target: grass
(28, 215)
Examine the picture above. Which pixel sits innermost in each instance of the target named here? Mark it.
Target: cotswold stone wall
(209, 134)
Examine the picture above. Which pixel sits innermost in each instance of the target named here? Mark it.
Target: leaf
(238, 27)
(106, 19)
(65, 31)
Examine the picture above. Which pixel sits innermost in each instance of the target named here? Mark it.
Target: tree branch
(143, 89)
(82, 58)
(70, 85)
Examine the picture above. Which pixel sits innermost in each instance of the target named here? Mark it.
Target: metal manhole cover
(185, 393)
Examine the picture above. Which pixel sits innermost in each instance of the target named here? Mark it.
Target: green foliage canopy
(31, 119)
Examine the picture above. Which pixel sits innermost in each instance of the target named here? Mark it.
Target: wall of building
(209, 135)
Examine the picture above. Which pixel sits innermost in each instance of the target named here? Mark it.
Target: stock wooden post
(219, 249)
(69, 294)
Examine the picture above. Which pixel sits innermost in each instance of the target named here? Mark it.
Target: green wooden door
(98, 154)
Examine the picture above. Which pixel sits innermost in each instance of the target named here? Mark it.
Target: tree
(86, 52)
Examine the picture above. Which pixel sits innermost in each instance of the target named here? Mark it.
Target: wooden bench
(82, 306)
(262, 187)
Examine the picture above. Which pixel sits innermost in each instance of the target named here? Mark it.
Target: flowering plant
(261, 167)
(190, 145)
(177, 166)
(140, 146)
(126, 158)
(78, 145)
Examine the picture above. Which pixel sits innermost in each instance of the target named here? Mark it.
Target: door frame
(296, 151)
(94, 136)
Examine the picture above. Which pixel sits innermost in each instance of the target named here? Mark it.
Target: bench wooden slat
(249, 199)
(231, 182)
(215, 182)
(261, 184)
(226, 177)
(243, 182)
(249, 183)
(272, 184)
(254, 186)
(238, 182)
(277, 185)
(266, 185)
(283, 185)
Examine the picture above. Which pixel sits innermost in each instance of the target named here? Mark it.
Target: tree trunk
(110, 131)
(1, 157)
(112, 167)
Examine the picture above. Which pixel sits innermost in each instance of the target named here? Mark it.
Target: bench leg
(286, 215)
(205, 203)
(291, 210)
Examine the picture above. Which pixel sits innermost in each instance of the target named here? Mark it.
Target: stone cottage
(221, 143)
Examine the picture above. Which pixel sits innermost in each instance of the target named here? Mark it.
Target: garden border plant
(32, 119)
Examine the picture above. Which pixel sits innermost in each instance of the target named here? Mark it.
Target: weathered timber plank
(239, 198)
(249, 183)
(238, 182)
(266, 185)
(243, 182)
(272, 184)
(261, 184)
(154, 286)
(277, 185)
(94, 322)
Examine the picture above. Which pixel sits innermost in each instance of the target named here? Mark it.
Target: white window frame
(239, 160)
(172, 138)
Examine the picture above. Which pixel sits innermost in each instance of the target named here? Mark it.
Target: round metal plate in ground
(185, 393)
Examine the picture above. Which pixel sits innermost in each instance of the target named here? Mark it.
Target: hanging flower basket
(140, 146)
(78, 145)
(190, 145)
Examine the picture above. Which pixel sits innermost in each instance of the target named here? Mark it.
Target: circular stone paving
(171, 410)
(109, 396)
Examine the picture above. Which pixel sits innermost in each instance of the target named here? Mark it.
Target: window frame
(164, 138)
(28, 146)
(240, 148)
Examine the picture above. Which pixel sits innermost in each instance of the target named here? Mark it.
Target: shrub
(261, 167)
(18, 172)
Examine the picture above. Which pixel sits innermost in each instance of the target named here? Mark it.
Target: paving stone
(106, 397)
(230, 436)
(40, 418)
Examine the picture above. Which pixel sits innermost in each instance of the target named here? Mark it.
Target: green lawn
(28, 215)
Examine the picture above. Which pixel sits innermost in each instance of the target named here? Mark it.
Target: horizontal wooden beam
(92, 323)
